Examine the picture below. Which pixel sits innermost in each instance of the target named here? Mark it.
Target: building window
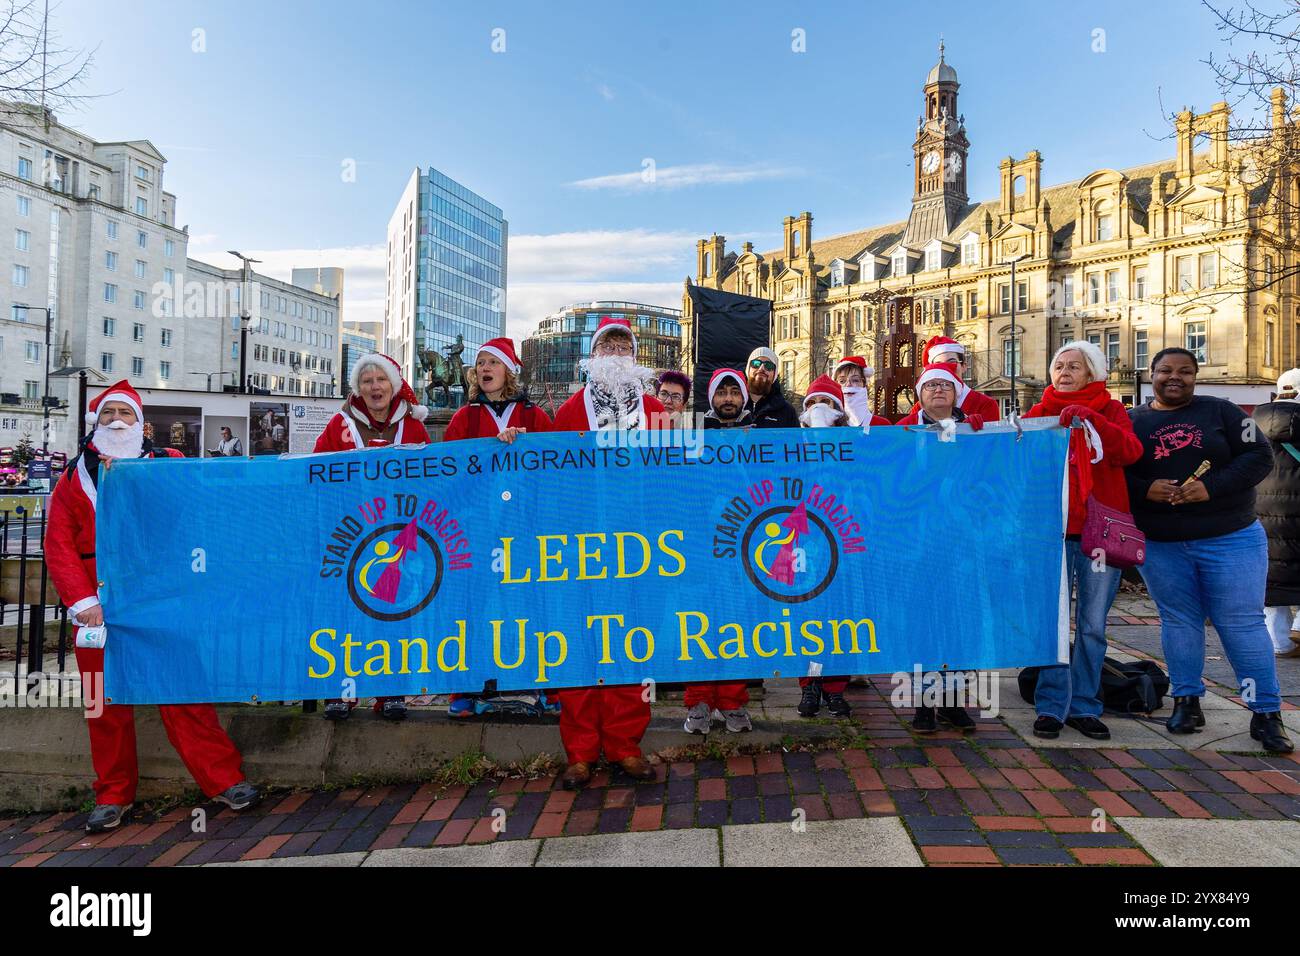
(138, 300)
(787, 374)
(1186, 278)
(1094, 288)
(1022, 296)
(137, 332)
(169, 276)
(142, 239)
(974, 305)
(1004, 298)
(18, 312)
(1141, 353)
(32, 352)
(1140, 283)
(169, 248)
(1067, 292)
(1112, 285)
(141, 206)
(24, 206)
(932, 259)
(110, 229)
(164, 370)
(110, 326)
(20, 275)
(1112, 349)
(140, 267)
(106, 361)
(970, 253)
(24, 168)
(137, 366)
(142, 172)
(1268, 271)
(1195, 341)
(110, 261)
(31, 390)
(22, 240)
(166, 338)
(1269, 331)
(959, 307)
(900, 265)
(1010, 360)
(1105, 228)
(1209, 264)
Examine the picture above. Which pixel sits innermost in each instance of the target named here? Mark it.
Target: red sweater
(476, 421)
(572, 415)
(340, 434)
(1119, 448)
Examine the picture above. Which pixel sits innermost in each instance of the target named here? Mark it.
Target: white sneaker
(738, 721)
(699, 719)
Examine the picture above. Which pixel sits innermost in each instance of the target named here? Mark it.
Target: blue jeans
(1223, 579)
(1073, 689)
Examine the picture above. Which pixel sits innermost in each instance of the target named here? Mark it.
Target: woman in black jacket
(1277, 502)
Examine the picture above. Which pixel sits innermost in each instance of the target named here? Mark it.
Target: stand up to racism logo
(394, 569)
(789, 543)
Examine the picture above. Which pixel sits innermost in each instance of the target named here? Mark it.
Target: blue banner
(566, 560)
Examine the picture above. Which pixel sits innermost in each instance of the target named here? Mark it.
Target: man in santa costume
(193, 729)
(497, 407)
(612, 719)
(941, 350)
(853, 376)
(938, 399)
(380, 411)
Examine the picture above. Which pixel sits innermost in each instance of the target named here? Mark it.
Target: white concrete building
(88, 232)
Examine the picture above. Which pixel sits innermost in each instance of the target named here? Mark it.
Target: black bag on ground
(1129, 687)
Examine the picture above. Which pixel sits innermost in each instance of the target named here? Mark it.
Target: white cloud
(605, 92)
(678, 177)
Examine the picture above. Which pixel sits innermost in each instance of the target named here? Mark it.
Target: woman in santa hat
(852, 374)
(938, 393)
(823, 406)
(193, 729)
(379, 412)
(497, 407)
(941, 350)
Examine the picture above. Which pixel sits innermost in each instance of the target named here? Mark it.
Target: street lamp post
(1015, 400)
(244, 319)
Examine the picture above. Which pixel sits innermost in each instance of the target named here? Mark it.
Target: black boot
(1187, 717)
(1269, 731)
(837, 705)
(811, 700)
(924, 721)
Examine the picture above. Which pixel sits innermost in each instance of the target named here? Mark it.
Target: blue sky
(556, 129)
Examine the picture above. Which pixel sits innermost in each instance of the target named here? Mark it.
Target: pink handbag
(1107, 528)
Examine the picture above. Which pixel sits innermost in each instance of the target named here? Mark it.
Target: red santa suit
(613, 719)
(969, 401)
(193, 729)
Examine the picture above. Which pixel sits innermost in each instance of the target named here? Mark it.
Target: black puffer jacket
(1277, 501)
(773, 411)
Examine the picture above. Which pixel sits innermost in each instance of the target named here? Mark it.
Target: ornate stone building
(1196, 251)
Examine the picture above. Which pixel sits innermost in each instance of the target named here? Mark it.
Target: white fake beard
(859, 402)
(821, 415)
(119, 440)
(617, 373)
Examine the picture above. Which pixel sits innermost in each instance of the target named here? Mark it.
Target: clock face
(953, 164)
(930, 162)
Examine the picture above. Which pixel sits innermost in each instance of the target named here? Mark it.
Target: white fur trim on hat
(386, 365)
(506, 360)
(941, 374)
(811, 395)
(93, 417)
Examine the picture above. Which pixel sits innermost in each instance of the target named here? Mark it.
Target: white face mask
(821, 415)
(117, 439)
(858, 401)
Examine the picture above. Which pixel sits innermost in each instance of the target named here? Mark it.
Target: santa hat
(389, 366)
(938, 346)
(858, 362)
(825, 387)
(121, 392)
(941, 372)
(724, 373)
(609, 324)
(503, 349)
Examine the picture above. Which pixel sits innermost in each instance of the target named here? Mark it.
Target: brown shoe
(638, 768)
(576, 776)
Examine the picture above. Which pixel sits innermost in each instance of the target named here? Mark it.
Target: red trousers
(720, 695)
(610, 718)
(193, 729)
(831, 685)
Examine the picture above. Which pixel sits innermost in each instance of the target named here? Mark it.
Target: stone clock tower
(939, 193)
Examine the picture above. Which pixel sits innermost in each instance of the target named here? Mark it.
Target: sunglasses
(764, 364)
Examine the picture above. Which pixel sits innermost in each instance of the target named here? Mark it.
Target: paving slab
(652, 848)
(1178, 842)
(510, 853)
(324, 859)
(875, 841)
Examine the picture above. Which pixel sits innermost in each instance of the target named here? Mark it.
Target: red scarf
(361, 411)
(1093, 396)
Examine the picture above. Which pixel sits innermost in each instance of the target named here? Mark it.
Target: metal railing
(29, 605)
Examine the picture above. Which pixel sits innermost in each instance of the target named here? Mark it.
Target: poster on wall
(306, 421)
(227, 436)
(268, 428)
(175, 427)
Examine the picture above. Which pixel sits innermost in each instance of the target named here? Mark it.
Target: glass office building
(446, 275)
